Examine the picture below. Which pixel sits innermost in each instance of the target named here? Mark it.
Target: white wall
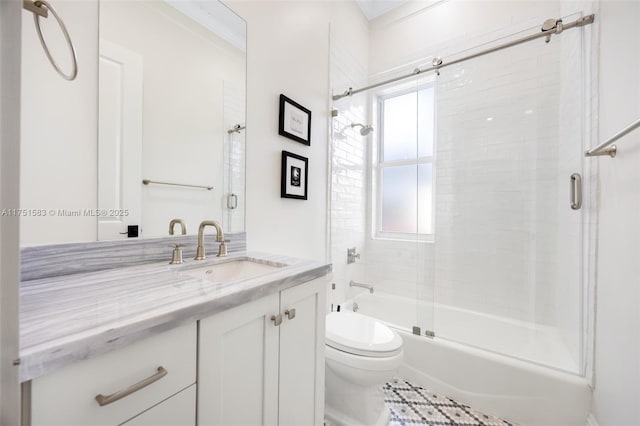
(10, 22)
(617, 357)
(59, 127)
(288, 53)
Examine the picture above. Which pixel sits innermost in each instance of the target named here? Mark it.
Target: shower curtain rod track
(557, 28)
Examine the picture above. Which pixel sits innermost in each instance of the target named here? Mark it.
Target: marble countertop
(68, 318)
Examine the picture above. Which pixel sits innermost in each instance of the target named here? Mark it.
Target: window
(404, 164)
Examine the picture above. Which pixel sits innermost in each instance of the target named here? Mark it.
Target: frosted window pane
(425, 124)
(400, 124)
(425, 208)
(399, 203)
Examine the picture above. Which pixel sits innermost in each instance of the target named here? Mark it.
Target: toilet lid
(361, 335)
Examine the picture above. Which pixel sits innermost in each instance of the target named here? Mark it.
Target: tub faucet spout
(367, 286)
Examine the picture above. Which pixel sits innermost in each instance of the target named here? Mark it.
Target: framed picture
(295, 121)
(294, 176)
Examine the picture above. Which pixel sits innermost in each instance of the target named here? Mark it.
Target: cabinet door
(179, 410)
(238, 366)
(302, 355)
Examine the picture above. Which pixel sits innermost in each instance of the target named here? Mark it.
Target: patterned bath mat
(412, 405)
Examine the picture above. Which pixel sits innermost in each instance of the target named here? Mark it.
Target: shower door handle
(232, 201)
(576, 191)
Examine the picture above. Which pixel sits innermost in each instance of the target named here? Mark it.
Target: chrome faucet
(173, 224)
(222, 251)
(367, 286)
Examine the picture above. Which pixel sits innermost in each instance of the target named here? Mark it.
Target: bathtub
(517, 388)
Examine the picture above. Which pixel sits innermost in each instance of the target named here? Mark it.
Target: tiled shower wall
(403, 268)
(348, 157)
(391, 266)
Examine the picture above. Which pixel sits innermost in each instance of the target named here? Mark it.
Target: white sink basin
(229, 271)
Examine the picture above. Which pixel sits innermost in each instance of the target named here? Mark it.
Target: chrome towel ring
(41, 8)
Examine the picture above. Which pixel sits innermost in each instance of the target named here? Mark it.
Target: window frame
(379, 165)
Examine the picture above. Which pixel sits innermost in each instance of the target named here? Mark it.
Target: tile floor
(413, 405)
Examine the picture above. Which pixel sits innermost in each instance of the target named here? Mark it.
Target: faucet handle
(222, 250)
(176, 258)
(352, 255)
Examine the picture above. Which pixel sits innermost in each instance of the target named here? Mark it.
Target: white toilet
(361, 355)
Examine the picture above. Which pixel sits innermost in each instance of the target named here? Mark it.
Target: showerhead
(366, 129)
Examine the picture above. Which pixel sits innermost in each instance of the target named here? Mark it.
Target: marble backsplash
(63, 259)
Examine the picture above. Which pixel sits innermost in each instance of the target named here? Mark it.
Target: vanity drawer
(179, 410)
(166, 364)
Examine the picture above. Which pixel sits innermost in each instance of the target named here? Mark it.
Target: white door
(302, 355)
(238, 366)
(119, 141)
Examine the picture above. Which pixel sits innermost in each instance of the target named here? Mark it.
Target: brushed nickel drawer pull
(290, 313)
(108, 399)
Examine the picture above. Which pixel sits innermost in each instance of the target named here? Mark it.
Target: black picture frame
(294, 176)
(294, 121)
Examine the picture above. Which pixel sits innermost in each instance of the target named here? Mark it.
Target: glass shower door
(508, 244)
(402, 171)
(234, 158)
(426, 203)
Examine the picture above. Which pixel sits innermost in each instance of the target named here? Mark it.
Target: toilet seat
(361, 335)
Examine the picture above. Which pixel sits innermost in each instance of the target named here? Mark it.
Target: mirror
(172, 78)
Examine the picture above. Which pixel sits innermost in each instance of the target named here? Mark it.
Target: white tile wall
(390, 266)
(398, 267)
(348, 166)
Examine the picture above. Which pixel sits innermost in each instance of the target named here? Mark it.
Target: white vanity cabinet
(262, 363)
(258, 363)
(68, 396)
